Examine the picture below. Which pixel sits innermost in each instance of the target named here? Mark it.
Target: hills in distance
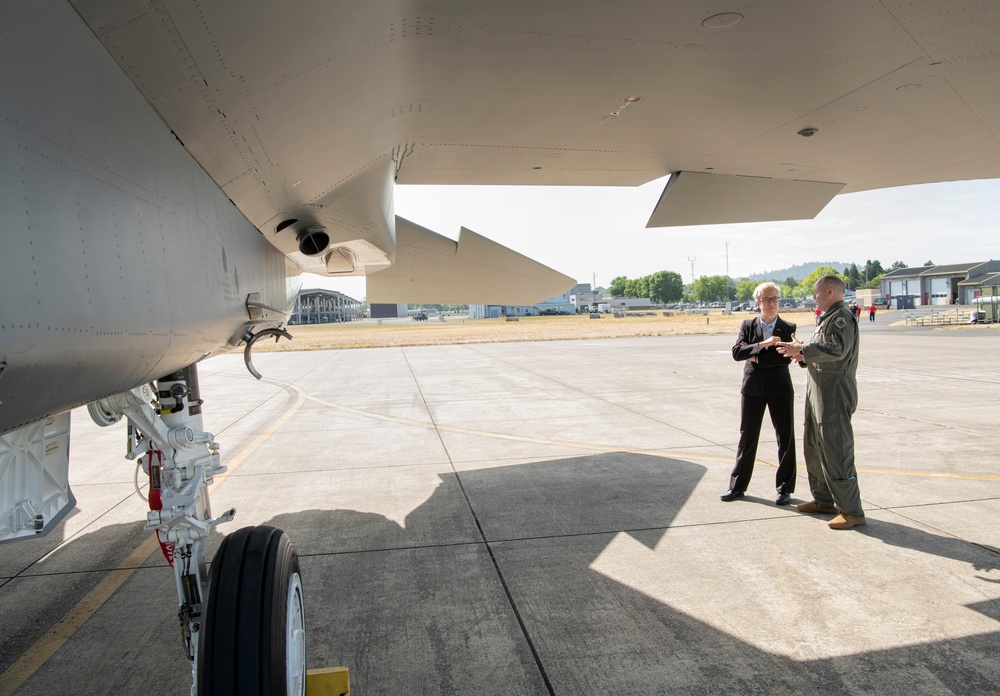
(798, 272)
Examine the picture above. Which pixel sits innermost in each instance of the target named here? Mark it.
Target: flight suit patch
(840, 322)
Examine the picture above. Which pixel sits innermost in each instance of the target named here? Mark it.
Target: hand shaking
(790, 349)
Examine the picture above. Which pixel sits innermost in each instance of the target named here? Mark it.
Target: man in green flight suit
(831, 399)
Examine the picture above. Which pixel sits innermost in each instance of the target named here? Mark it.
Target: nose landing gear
(243, 628)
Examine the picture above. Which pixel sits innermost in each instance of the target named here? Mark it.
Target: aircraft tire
(253, 632)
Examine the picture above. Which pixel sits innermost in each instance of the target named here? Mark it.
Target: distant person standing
(871, 312)
(831, 399)
(766, 385)
(817, 313)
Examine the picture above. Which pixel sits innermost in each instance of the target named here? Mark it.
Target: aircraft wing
(306, 113)
(434, 269)
(165, 165)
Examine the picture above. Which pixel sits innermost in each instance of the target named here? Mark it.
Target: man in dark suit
(766, 384)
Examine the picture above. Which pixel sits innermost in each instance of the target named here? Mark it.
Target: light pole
(727, 274)
(691, 259)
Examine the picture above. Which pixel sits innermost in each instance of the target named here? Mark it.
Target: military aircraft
(169, 167)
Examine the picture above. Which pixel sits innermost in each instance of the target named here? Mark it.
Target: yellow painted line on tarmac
(931, 474)
(262, 438)
(515, 438)
(46, 646)
(609, 448)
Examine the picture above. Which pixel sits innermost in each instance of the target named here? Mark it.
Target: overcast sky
(585, 230)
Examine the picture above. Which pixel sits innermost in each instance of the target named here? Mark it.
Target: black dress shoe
(783, 499)
(731, 495)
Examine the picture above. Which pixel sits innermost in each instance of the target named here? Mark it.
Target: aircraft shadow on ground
(50, 586)
(546, 523)
(980, 556)
(380, 594)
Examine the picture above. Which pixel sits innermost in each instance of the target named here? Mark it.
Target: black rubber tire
(243, 646)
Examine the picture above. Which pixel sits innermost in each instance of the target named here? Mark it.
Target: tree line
(870, 274)
(662, 286)
(667, 286)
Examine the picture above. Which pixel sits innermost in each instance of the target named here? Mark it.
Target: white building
(560, 304)
(936, 285)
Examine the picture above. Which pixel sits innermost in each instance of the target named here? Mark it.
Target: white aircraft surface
(168, 168)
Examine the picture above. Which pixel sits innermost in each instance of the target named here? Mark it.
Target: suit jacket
(769, 374)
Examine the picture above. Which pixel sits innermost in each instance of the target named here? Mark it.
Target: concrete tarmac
(544, 518)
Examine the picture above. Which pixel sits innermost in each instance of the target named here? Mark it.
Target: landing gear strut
(243, 630)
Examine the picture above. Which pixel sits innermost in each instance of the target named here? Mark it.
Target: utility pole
(727, 273)
(692, 260)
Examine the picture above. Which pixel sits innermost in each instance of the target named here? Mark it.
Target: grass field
(392, 333)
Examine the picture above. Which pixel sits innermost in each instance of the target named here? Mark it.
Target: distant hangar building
(318, 306)
(959, 283)
(560, 304)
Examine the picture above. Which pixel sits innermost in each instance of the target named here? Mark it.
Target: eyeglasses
(768, 300)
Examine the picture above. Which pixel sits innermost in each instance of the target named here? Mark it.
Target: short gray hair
(759, 290)
(834, 282)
